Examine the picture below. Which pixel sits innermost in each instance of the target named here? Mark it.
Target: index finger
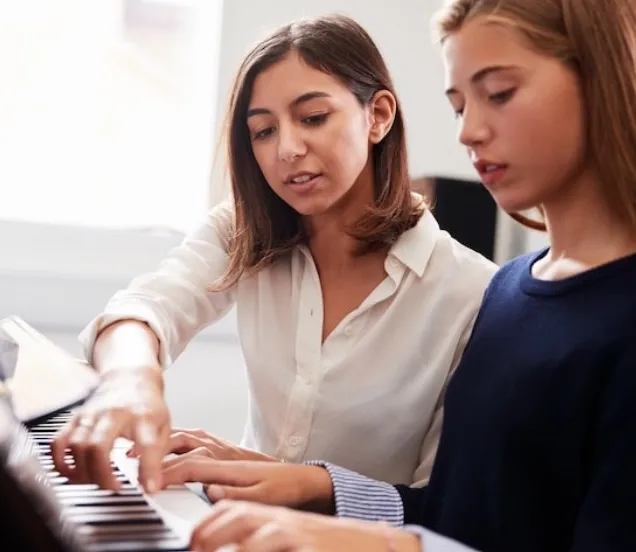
(59, 446)
(100, 443)
(202, 469)
(151, 445)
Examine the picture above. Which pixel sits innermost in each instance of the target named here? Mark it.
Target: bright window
(107, 134)
(107, 111)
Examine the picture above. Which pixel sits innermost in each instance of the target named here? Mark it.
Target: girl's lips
(493, 175)
(490, 172)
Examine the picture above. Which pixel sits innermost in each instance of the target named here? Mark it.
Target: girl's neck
(583, 230)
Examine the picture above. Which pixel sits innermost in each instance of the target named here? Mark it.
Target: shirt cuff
(362, 498)
(432, 542)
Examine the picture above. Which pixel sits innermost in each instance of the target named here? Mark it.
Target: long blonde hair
(598, 39)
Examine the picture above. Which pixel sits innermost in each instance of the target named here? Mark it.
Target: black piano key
(70, 491)
(92, 500)
(49, 427)
(153, 534)
(127, 530)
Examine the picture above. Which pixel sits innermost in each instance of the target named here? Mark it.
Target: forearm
(127, 345)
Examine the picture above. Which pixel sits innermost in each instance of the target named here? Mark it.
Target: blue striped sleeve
(359, 497)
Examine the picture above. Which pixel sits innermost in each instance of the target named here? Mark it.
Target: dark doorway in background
(464, 209)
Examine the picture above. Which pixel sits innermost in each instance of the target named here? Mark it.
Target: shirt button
(348, 331)
(393, 263)
(295, 441)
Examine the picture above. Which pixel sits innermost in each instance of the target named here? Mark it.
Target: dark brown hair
(598, 39)
(265, 227)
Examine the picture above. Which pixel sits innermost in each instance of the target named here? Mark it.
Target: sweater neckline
(536, 286)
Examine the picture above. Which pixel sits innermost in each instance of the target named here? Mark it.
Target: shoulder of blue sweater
(513, 267)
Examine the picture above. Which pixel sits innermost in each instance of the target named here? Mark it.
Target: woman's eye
(261, 134)
(502, 97)
(315, 120)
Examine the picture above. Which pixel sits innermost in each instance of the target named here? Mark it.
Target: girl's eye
(502, 97)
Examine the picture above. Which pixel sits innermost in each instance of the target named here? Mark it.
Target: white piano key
(181, 508)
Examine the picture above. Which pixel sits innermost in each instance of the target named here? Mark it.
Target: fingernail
(152, 486)
(214, 493)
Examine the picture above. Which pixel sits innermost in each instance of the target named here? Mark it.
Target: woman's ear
(382, 111)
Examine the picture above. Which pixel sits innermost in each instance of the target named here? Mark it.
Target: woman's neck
(330, 245)
(583, 230)
(329, 242)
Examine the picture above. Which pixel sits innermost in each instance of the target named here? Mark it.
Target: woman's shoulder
(221, 216)
(457, 259)
(216, 227)
(448, 269)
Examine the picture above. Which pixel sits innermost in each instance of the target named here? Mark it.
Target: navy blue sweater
(538, 447)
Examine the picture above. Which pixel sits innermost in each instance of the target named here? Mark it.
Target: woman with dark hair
(353, 307)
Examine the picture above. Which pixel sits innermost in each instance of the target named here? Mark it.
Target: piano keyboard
(128, 520)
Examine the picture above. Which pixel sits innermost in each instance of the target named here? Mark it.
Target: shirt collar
(414, 247)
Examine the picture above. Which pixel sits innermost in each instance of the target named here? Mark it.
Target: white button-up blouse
(370, 397)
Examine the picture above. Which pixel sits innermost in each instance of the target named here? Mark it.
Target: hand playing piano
(197, 441)
(129, 404)
(260, 528)
(274, 483)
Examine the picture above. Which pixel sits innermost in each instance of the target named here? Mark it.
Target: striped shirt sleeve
(359, 497)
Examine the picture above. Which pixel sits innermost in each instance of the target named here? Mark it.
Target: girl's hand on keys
(294, 485)
(182, 441)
